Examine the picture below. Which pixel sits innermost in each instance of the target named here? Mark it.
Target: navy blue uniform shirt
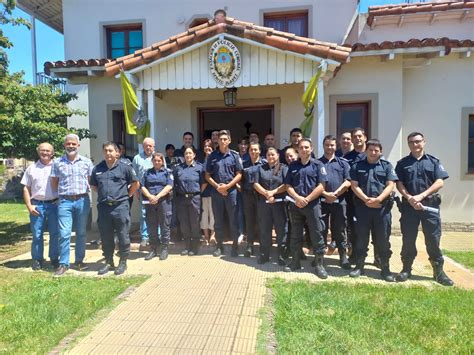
(112, 184)
(188, 178)
(372, 178)
(337, 170)
(418, 175)
(223, 166)
(354, 156)
(156, 180)
(305, 178)
(271, 177)
(248, 175)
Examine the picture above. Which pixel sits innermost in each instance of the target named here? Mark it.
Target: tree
(30, 114)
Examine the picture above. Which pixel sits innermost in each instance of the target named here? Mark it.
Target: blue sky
(50, 46)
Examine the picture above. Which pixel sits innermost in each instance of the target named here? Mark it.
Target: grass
(360, 318)
(14, 229)
(37, 311)
(465, 258)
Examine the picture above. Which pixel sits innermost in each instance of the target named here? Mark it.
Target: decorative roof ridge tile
(413, 43)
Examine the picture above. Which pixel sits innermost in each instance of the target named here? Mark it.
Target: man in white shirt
(41, 200)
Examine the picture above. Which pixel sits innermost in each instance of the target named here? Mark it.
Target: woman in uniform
(207, 217)
(271, 205)
(157, 184)
(188, 184)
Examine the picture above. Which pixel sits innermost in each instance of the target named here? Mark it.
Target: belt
(113, 203)
(45, 201)
(73, 197)
(189, 195)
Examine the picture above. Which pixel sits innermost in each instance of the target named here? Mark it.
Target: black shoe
(386, 274)
(122, 266)
(439, 275)
(109, 266)
(185, 252)
(403, 276)
(81, 266)
(195, 246)
(55, 264)
(36, 265)
(262, 259)
(281, 261)
(357, 271)
(235, 251)
(164, 252)
(151, 254)
(248, 252)
(292, 266)
(320, 271)
(377, 262)
(60, 271)
(218, 251)
(343, 261)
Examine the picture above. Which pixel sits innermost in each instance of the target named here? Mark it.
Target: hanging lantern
(230, 97)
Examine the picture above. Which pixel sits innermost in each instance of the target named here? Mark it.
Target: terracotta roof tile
(242, 29)
(402, 9)
(414, 43)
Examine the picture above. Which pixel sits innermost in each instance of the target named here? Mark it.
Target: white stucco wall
(83, 20)
(80, 121)
(434, 96)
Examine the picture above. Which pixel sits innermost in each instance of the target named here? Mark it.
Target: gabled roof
(265, 35)
(405, 9)
(447, 43)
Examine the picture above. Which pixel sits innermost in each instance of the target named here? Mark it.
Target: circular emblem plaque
(225, 62)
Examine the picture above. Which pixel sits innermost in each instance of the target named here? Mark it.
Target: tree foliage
(30, 114)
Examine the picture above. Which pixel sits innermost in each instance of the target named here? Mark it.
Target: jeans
(69, 211)
(48, 216)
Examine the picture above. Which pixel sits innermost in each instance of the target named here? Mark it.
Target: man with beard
(70, 175)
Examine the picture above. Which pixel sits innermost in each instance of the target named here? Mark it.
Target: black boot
(295, 263)
(219, 250)
(187, 248)
(152, 253)
(248, 252)
(235, 250)
(262, 259)
(319, 269)
(122, 266)
(386, 273)
(195, 244)
(281, 255)
(405, 274)
(164, 252)
(439, 275)
(343, 261)
(358, 269)
(109, 266)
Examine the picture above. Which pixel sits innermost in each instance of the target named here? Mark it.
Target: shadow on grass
(12, 233)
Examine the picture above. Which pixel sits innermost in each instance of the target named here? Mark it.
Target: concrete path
(209, 305)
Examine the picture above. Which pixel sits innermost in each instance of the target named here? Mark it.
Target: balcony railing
(44, 79)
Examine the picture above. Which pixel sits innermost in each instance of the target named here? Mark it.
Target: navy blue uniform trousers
(114, 220)
(220, 205)
(311, 214)
(250, 213)
(159, 214)
(334, 217)
(189, 215)
(269, 215)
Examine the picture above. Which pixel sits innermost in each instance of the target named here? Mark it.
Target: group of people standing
(348, 191)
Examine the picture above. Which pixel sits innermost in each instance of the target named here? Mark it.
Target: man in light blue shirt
(70, 176)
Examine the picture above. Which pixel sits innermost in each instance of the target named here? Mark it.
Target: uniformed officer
(223, 172)
(421, 176)
(333, 202)
(207, 216)
(296, 134)
(305, 183)
(114, 181)
(188, 184)
(157, 184)
(249, 196)
(269, 184)
(372, 181)
(345, 144)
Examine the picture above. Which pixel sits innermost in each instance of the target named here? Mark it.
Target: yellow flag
(308, 99)
(130, 103)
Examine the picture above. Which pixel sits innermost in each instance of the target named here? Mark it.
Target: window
(293, 22)
(351, 115)
(120, 135)
(470, 149)
(123, 40)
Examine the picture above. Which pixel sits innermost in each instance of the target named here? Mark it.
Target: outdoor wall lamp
(230, 97)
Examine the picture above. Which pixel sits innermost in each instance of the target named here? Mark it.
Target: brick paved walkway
(207, 305)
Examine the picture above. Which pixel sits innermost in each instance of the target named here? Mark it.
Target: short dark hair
(191, 147)
(110, 143)
(296, 129)
(375, 142)
(188, 134)
(357, 129)
(159, 155)
(255, 143)
(224, 132)
(413, 134)
(169, 146)
(220, 11)
(305, 140)
(253, 132)
(329, 137)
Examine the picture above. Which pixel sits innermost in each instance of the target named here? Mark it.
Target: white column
(151, 112)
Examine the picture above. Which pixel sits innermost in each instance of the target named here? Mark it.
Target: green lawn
(14, 229)
(465, 258)
(37, 311)
(335, 317)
